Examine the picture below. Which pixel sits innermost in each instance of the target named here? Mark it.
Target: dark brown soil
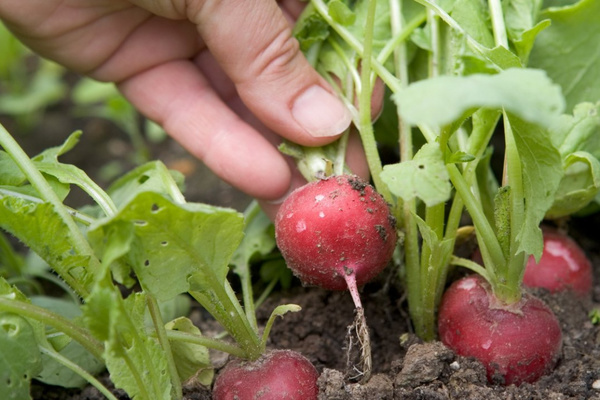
(404, 367)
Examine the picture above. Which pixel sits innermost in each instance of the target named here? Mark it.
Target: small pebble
(596, 384)
(455, 366)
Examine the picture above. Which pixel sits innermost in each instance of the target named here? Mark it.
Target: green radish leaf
(310, 29)
(437, 102)
(259, 239)
(542, 171)
(20, 359)
(577, 137)
(40, 227)
(191, 359)
(173, 242)
(340, 13)
(579, 185)
(53, 372)
(578, 132)
(568, 51)
(425, 177)
(136, 362)
(11, 174)
(153, 176)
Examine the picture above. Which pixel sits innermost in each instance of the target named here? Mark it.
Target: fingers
(252, 41)
(176, 96)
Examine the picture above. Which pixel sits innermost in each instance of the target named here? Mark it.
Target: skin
(224, 78)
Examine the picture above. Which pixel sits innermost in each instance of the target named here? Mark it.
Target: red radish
(516, 343)
(335, 227)
(279, 374)
(338, 233)
(563, 266)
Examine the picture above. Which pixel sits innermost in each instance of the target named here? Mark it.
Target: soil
(403, 366)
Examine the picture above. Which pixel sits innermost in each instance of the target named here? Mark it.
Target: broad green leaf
(135, 361)
(19, 357)
(579, 185)
(173, 242)
(437, 102)
(191, 359)
(542, 171)
(424, 177)
(43, 231)
(568, 51)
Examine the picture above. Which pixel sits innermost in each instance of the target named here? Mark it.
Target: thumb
(253, 43)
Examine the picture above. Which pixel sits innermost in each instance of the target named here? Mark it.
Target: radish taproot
(516, 343)
(338, 233)
(278, 374)
(563, 266)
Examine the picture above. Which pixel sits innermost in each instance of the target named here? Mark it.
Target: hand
(224, 78)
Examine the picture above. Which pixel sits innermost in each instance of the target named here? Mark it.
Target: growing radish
(337, 233)
(334, 228)
(516, 343)
(279, 374)
(563, 266)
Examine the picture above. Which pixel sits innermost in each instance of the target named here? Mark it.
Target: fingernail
(321, 113)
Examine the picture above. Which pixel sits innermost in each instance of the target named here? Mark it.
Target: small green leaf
(340, 13)
(191, 359)
(578, 187)
(425, 177)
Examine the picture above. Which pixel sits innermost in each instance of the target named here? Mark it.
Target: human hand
(224, 78)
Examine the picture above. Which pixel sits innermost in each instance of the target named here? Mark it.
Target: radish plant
(458, 74)
(141, 230)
